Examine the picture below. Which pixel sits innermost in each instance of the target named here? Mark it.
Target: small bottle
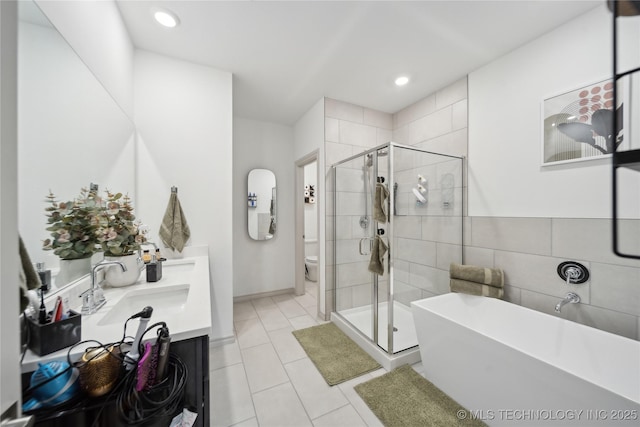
(159, 256)
(45, 276)
(146, 256)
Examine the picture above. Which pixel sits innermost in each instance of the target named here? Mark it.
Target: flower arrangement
(89, 224)
(119, 234)
(73, 225)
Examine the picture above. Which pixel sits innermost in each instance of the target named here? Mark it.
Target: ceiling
(285, 56)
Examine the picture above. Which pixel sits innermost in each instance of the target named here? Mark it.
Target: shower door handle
(368, 240)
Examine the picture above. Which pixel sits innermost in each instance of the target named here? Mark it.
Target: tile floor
(265, 378)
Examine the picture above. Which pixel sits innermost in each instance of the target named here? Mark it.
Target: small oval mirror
(261, 204)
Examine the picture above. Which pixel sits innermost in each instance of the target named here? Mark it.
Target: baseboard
(244, 298)
(219, 342)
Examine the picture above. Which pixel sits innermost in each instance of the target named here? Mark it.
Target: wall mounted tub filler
(571, 298)
(573, 272)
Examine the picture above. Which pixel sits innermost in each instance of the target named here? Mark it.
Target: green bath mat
(335, 355)
(403, 398)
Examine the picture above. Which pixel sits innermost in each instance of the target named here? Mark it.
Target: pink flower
(113, 208)
(63, 236)
(109, 234)
(64, 208)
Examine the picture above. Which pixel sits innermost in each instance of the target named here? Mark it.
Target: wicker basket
(100, 369)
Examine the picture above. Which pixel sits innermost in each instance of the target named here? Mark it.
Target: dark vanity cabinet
(85, 411)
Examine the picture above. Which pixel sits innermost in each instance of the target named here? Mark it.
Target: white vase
(71, 270)
(115, 277)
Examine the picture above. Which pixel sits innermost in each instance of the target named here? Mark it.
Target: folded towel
(28, 278)
(376, 264)
(381, 203)
(174, 230)
(472, 273)
(473, 288)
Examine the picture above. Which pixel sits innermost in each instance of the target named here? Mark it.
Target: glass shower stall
(397, 225)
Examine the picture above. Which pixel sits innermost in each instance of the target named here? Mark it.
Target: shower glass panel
(354, 231)
(422, 230)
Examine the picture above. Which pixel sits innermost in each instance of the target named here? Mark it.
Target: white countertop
(188, 320)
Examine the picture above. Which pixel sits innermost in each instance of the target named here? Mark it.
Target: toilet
(311, 264)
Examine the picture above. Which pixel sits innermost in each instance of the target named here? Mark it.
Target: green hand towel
(472, 273)
(174, 230)
(381, 203)
(473, 288)
(376, 264)
(29, 279)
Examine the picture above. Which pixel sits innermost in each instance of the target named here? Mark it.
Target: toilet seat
(311, 259)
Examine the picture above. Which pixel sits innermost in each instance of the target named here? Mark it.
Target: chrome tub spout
(571, 298)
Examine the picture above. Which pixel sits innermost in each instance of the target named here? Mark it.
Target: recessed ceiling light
(166, 18)
(402, 80)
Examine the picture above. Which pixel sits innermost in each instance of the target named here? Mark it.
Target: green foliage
(88, 224)
(73, 225)
(119, 232)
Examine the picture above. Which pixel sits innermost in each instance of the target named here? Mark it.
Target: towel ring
(174, 189)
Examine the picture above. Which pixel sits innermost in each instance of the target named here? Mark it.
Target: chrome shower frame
(386, 150)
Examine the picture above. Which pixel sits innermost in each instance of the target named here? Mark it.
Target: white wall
(9, 344)
(183, 113)
(309, 137)
(505, 173)
(97, 33)
(266, 265)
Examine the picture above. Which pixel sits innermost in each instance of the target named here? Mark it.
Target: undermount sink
(178, 268)
(166, 301)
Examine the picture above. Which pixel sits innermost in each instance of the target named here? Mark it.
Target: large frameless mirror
(261, 204)
(71, 132)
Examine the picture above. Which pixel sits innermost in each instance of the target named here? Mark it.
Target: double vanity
(181, 299)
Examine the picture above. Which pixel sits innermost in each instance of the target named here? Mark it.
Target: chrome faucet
(93, 298)
(571, 298)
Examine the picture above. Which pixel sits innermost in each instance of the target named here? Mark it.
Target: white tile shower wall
(437, 123)
(349, 130)
(429, 237)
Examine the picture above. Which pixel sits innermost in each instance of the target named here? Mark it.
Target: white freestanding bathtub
(509, 365)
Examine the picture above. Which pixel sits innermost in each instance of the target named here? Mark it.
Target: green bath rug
(335, 355)
(404, 398)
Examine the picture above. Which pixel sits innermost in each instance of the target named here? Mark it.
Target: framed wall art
(578, 125)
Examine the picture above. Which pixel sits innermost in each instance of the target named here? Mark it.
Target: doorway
(307, 246)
